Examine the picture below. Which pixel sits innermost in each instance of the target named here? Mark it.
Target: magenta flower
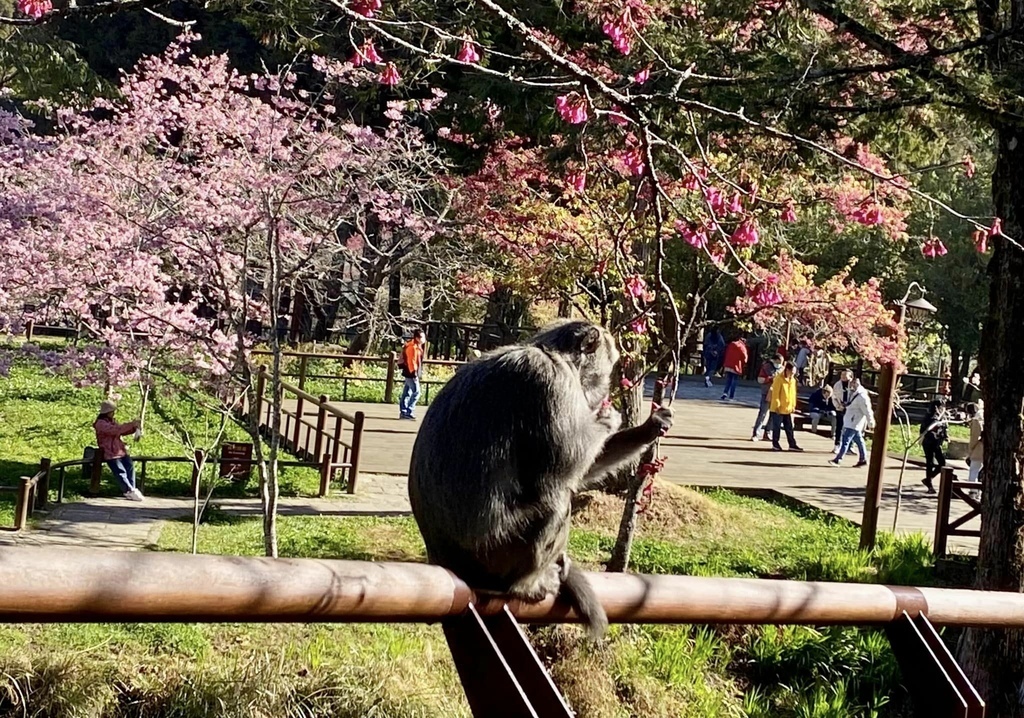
(367, 54)
(620, 35)
(696, 238)
(625, 383)
(735, 205)
(969, 167)
(577, 180)
(745, 235)
(639, 325)
(980, 239)
(468, 53)
(572, 108)
(869, 216)
(35, 9)
(636, 286)
(766, 293)
(933, 247)
(789, 213)
(643, 76)
(632, 161)
(390, 75)
(715, 199)
(997, 228)
(616, 117)
(366, 8)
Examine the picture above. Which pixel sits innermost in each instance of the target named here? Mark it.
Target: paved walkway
(708, 446)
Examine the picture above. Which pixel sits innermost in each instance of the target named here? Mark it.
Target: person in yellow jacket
(782, 403)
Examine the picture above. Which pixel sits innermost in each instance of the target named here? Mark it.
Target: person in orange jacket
(734, 364)
(411, 364)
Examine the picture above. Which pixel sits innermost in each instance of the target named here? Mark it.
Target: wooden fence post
(97, 469)
(357, 440)
(942, 512)
(299, 408)
(30, 327)
(21, 507)
(325, 474)
(389, 382)
(321, 423)
(303, 363)
(43, 486)
(195, 470)
(261, 388)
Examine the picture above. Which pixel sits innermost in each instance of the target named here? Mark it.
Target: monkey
(503, 448)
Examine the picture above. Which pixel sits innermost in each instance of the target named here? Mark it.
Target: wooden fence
(332, 440)
(950, 489)
(500, 672)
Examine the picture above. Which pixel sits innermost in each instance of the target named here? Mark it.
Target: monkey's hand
(608, 417)
(659, 422)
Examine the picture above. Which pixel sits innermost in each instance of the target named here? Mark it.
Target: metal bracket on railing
(500, 672)
(937, 685)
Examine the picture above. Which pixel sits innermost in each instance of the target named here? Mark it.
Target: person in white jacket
(859, 417)
(841, 395)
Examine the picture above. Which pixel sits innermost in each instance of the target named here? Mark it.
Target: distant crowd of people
(846, 404)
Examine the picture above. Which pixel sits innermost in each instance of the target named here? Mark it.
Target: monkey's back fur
(501, 450)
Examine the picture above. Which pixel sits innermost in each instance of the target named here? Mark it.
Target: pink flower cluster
(468, 53)
(577, 180)
(622, 27)
(746, 234)
(616, 117)
(693, 236)
(636, 286)
(766, 293)
(367, 54)
(933, 247)
(631, 161)
(366, 8)
(35, 9)
(969, 167)
(572, 108)
(390, 76)
(869, 215)
(643, 76)
(789, 213)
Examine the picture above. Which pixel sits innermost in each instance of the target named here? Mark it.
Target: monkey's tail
(580, 594)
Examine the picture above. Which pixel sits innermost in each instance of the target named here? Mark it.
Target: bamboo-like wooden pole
(83, 585)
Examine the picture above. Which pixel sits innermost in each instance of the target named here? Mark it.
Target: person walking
(840, 398)
(411, 364)
(765, 375)
(115, 453)
(714, 347)
(933, 436)
(858, 417)
(783, 404)
(734, 364)
(803, 360)
(976, 444)
(819, 405)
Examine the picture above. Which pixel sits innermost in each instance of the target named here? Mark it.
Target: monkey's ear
(589, 339)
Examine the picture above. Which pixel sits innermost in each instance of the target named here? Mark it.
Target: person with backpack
(411, 364)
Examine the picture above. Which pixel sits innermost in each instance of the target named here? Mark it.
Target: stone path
(708, 446)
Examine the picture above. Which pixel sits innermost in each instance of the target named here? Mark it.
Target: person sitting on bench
(819, 406)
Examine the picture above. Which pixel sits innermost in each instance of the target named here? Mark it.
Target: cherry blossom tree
(171, 218)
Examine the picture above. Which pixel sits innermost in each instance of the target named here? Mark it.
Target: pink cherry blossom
(572, 108)
(468, 53)
(697, 238)
(997, 227)
(625, 383)
(639, 325)
(390, 75)
(691, 182)
(715, 199)
(35, 9)
(620, 35)
(735, 205)
(366, 8)
(643, 76)
(745, 235)
(717, 253)
(577, 180)
(366, 54)
(869, 216)
(766, 293)
(980, 239)
(631, 160)
(969, 167)
(616, 117)
(933, 247)
(789, 213)
(636, 286)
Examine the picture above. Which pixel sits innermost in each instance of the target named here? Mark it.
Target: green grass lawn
(898, 441)
(42, 415)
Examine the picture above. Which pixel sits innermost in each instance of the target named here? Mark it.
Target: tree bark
(505, 311)
(994, 659)
(956, 385)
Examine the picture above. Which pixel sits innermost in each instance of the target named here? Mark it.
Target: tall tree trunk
(505, 311)
(994, 659)
(395, 296)
(956, 385)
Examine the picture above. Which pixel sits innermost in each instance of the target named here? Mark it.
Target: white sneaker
(708, 383)
(755, 437)
(139, 494)
(133, 495)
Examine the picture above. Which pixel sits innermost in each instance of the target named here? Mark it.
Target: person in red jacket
(411, 364)
(734, 364)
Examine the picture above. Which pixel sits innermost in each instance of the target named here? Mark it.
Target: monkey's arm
(626, 445)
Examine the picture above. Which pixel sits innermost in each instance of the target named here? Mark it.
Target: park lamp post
(917, 310)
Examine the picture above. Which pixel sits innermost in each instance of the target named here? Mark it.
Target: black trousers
(780, 422)
(839, 427)
(933, 457)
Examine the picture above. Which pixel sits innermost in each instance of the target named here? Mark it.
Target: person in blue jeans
(764, 377)
(411, 364)
(857, 418)
(714, 348)
(734, 364)
(108, 438)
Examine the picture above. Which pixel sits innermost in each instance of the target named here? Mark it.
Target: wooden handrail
(95, 586)
(322, 355)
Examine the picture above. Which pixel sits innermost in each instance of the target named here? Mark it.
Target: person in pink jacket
(108, 438)
(734, 365)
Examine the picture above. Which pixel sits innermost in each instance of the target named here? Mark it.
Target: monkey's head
(590, 348)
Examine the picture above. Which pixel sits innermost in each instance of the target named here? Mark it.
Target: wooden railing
(950, 489)
(325, 440)
(500, 672)
(391, 379)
